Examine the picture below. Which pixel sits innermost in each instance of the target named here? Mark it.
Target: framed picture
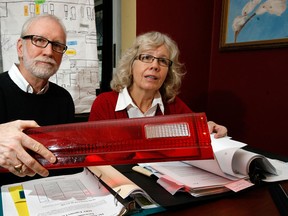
(248, 24)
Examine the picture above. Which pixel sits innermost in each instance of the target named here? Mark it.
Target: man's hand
(13, 145)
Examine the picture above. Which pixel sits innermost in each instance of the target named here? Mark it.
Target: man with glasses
(146, 83)
(27, 94)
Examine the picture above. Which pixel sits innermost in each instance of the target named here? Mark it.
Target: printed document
(77, 194)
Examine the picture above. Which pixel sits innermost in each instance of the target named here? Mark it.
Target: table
(254, 201)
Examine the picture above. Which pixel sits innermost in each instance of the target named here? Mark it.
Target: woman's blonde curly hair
(122, 77)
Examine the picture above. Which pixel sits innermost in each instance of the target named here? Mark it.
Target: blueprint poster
(79, 72)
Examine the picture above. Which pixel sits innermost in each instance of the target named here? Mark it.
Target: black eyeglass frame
(152, 59)
(53, 43)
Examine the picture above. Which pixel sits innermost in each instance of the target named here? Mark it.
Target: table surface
(255, 201)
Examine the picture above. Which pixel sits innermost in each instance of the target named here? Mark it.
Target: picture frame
(253, 24)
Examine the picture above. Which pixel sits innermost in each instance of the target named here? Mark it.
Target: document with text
(77, 194)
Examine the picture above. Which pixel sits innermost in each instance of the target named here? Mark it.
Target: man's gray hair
(31, 20)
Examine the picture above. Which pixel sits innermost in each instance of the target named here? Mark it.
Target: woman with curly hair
(146, 83)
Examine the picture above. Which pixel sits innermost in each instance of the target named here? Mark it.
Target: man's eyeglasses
(43, 42)
(146, 58)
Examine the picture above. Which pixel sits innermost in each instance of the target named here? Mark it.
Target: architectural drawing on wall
(78, 72)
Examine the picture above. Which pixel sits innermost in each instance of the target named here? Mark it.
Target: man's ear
(20, 48)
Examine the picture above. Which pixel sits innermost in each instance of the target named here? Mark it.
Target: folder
(133, 198)
(19, 200)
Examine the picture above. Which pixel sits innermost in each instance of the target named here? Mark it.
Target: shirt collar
(21, 82)
(125, 100)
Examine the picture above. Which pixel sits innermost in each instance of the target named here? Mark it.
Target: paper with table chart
(78, 194)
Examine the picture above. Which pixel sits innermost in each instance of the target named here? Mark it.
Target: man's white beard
(42, 72)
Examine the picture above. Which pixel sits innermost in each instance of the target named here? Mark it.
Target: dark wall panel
(189, 23)
(244, 90)
(248, 93)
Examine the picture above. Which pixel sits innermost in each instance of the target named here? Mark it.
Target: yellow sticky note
(26, 10)
(20, 202)
(37, 9)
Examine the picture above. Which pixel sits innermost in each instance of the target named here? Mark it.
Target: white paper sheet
(282, 171)
(224, 150)
(190, 176)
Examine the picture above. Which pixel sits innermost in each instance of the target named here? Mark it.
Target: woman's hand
(219, 130)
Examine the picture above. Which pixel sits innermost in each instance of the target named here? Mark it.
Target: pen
(280, 198)
(145, 172)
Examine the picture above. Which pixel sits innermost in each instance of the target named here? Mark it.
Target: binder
(53, 195)
(134, 199)
(160, 195)
(183, 199)
(19, 200)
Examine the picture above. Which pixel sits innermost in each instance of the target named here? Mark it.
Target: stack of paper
(230, 170)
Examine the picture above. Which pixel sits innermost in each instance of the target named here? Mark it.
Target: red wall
(243, 90)
(191, 29)
(249, 90)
